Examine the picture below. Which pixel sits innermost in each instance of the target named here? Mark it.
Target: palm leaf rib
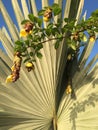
(18, 12)
(5, 42)
(9, 22)
(33, 7)
(63, 52)
(36, 100)
(25, 8)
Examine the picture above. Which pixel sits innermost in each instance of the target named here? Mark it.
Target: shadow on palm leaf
(90, 77)
(10, 121)
(79, 107)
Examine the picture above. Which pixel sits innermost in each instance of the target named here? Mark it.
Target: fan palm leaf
(34, 101)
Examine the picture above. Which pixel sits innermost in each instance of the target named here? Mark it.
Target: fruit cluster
(15, 69)
(47, 15)
(27, 29)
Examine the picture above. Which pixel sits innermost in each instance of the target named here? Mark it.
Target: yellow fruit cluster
(47, 15)
(28, 27)
(68, 89)
(15, 69)
(92, 38)
(29, 66)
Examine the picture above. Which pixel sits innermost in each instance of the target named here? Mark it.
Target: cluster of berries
(27, 29)
(47, 15)
(15, 69)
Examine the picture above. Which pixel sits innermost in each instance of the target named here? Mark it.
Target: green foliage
(39, 55)
(72, 33)
(56, 9)
(32, 17)
(25, 21)
(66, 20)
(41, 12)
(39, 46)
(57, 44)
(95, 13)
(72, 45)
(19, 42)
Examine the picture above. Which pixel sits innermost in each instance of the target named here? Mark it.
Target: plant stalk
(54, 123)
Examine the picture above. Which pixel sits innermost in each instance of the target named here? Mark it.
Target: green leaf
(54, 31)
(96, 30)
(55, 5)
(29, 36)
(31, 17)
(43, 36)
(47, 7)
(71, 25)
(56, 11)
(27, 42)
(41, 12)
(39, 21)
(38, 47)
(39, 55)
(33, 45)
(32, 60)
(18, 48)
(35, 19)
(50, 26)
(31, 54)
(57, 44)
(35, 30)
(66, 20)
(25, 21)
(48, 32)
(36, 38)
(23, 49)
(63, 30)
(60, 36)
(18, 42)
(59, 23)
(95, 13)
(73, 46)
(27, 59)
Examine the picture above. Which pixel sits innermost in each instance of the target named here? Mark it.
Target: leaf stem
(54, 123)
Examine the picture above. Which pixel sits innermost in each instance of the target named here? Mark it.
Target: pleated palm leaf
(38, 101)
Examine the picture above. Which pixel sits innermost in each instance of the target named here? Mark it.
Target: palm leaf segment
(31, 103)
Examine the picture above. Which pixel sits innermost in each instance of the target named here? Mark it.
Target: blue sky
(89, 5)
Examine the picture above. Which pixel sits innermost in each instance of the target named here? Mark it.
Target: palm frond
(32, 102)
(9, 22)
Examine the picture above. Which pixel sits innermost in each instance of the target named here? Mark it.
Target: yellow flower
(9, 79)
(47, 15)
(24, 33)
(46, 19)
(84, 38)
(68, 89)
(92, 39)
(29, 66)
